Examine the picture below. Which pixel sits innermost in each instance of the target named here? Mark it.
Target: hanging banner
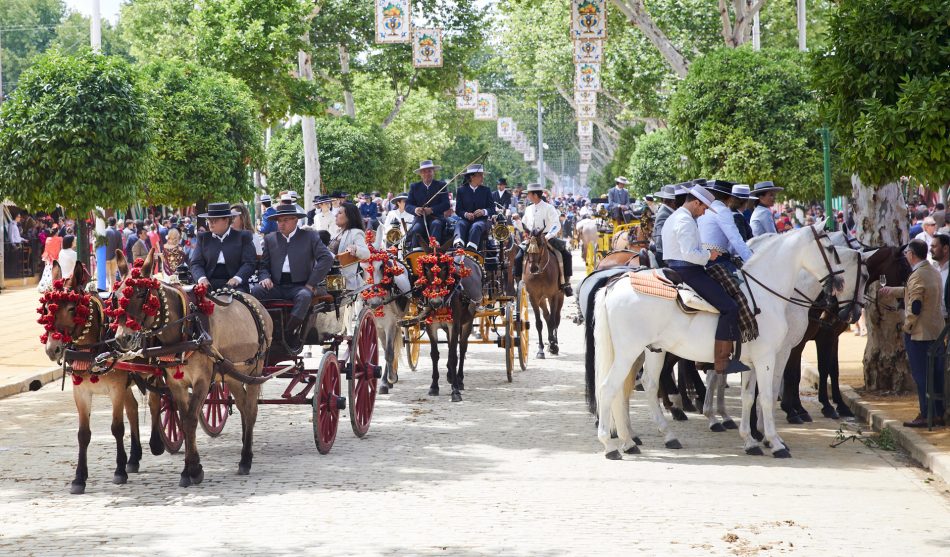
(585, 155)
(529, 155)
(505, 127)
(587, 77)
(586, 111)
(588, 50)
(486, 107)
(582, 167)
(467, 95)
(393, 24)
(585, 128)
(588, 19)
(585, 97)
(427, 48)
(521, 141)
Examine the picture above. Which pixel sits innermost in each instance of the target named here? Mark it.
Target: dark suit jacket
(419, 194)
(745, 230)
(310, 260)
(468, 200)
(113, 242)
(240, 256)
(503, 199)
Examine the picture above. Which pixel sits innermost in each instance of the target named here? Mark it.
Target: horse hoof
(553, 350)
(613, 434)
(184, 481)
(632, 450)
(673, 444)
(119, 479)
(433, 391)
(688, 406)
(637, 441)
(805, 417)
(782, 453)
(758, 436)
(199, 478)
(844, 411)
(717, 427)
(383, 390)
(456, 397)
(678, 415)
(244, 469)
(461, 386)
(830, 413)
(156, 446)
(794, 419)
(729, 424)
(613, 455)
(132, 468)
(540, 355)
(754, 451)
(77, 488)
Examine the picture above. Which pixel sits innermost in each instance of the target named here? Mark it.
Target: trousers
(713, 292)
(419, 230)
(292, 291)
(917, 357)
(471, 231)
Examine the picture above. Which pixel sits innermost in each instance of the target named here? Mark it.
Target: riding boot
(723, 363)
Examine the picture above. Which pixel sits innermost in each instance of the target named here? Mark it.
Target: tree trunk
(82, 239)
(881, 220)
(348, 106)
(311, 155)
(638, 15)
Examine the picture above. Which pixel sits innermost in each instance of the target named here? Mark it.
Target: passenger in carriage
(223, 257)
(428, 200)
(324, 217)
(397, 218)
(294, 264)
(473, 204)
(349, 245)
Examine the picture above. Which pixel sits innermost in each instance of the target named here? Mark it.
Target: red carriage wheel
(364, 366)
(170, 421)
(326, 403)
(214, 413)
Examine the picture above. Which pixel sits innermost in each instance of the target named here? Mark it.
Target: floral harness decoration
(390, 271)
(50, 303)
(439, 287)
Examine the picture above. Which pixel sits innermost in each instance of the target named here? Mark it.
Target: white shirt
(221, 239)
(286, 267)
(67, 262)
(13, 233)
(541, 216)
(944, 273)
(762, 221)
(719, 229)
(681, 239)
(326, 221)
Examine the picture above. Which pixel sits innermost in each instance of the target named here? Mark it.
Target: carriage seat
(288, 304)
(667, 284)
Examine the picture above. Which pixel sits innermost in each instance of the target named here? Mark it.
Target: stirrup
(735, 365)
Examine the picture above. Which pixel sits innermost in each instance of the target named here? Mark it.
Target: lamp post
(826, 156)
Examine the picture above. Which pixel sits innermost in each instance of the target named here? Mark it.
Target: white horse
(389, 309)
(648, 326)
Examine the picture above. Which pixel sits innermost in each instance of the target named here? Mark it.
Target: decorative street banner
(393, 23)
(588, 50)
(585, 142)
(529, 155)
(585, 156)
(587, 77)
(467, 95)
(582, 167)
(521, 141)
(585, 128)
(427, 48)
(588, 19)
(506, 127)
(585, 97)
(586, 111)
(486, 107)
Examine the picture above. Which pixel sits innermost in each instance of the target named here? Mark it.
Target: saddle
(666, 284)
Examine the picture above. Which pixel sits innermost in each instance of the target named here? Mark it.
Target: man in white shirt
(930, 228)
(13, 231)
(685, 254)
(541, 215)
(940, 257)
(323, 216)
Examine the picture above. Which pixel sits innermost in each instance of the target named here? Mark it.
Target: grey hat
(265, 198)
(474, 169)
(535, 188)
(703, 195)
(740, 191)
(682, 188)
(425, 165)
(765, 187)
(621, 180)
(667, 192)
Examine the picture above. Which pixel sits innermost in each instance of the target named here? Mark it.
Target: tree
(886, 97)
(29, 29)
(654, 163)
(75, 133)
(158, 29)
(750, 116)
(73, 32)
(206, 135)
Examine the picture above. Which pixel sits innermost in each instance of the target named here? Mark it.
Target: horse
(149, 313)
(660, 327)
(451, 289)
(586, 232)
(542, 281)
(635, 237)
(387, 296)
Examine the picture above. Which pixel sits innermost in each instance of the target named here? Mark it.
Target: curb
(919, 448)
(45, 377)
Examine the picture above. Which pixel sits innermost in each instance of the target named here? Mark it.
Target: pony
(232, 343)
(542, 281)
(660, 327)
(387, 296)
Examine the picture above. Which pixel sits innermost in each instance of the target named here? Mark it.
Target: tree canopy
(655, 162)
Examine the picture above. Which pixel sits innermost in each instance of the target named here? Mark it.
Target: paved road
(516, 469)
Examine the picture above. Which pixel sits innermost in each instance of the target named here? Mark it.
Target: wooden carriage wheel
(509, 341)
(173, 436)
(521, 325)
(214, 413)
(326, 403)
(364, 373)
(412, 338)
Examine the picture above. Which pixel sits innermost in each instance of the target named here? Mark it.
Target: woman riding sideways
(349, 246)
(172, 254)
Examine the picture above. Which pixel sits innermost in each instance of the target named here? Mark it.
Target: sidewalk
(22, 359)
(929, 448)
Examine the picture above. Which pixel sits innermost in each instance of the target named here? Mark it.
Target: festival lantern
(393, 23)
(427, 48)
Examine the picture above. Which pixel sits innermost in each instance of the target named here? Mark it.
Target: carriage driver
(685, 254)
(428, 200)
(474, 204)
(294, 264)
(223, 257)
(541, 215)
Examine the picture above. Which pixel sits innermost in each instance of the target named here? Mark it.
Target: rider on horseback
(685, 254)
(541, 215)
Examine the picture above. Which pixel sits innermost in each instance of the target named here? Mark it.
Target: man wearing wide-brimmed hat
(473, 205)
(267, 226)
(294, 264)
(740, 196)
(541, 215)
(397, 218)
(667, 198)
(428, 201)
(223, 257)
(719, 228)
(762, 221)
(618, 199)
(502, 197)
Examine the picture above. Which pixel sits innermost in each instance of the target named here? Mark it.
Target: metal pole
(95, 29)
(540, 147)
(800, 9)
(756, 33)
(1, 67)
(826, 152)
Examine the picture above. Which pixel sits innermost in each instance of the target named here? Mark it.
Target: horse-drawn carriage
(631, 233)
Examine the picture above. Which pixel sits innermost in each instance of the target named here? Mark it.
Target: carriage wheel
(171, 431)
(214, 413)
(522, 335)
(509, 341)
(326, 403)
(364, 374)
(411, 340)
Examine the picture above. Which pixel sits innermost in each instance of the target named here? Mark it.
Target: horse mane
(763, 244)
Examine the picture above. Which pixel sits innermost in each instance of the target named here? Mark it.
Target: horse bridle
(547, 260)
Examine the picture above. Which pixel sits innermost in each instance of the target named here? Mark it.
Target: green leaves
(654, 163)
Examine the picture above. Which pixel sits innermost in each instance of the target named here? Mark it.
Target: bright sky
(109, 8)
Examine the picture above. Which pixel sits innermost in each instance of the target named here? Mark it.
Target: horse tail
(593, 319)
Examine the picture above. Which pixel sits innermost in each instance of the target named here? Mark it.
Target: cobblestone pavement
(515, 469)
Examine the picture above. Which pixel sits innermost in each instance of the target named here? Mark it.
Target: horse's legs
(652, 367)
(764, 366)
(387, 332)
(791, 399)
(132, 412)
(117, 394)
(433, 333)
(554, 321)
(727, 421)
(245, 398)
(609, 388)
(712, 387)
(466, 330)
(672, 398)
(751, 446)
(690, 375)
(831, 352)
(189, 405)
(82, 395)
(155, 443)
(540, 326)
(453, 362)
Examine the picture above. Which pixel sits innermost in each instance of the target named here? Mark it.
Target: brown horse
(635, 237)
(158, 315)
(542, 281)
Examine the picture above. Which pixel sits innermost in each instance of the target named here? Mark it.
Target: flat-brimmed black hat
(218, 210)
(722, 186)
(339, 195)
(286, 210)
